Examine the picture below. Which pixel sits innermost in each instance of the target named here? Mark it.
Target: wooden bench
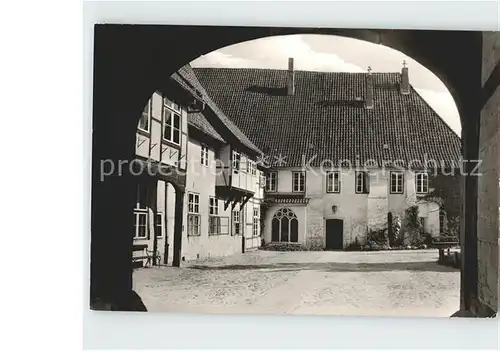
(443, 243)
(137, 260)
(148, 255)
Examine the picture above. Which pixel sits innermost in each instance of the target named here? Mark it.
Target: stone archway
(132, 61)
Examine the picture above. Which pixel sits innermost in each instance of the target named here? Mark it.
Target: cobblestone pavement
(391, 283)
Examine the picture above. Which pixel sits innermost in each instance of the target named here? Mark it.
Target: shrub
(412, 228)
(354, 246)
(380, 237)
(283, 247)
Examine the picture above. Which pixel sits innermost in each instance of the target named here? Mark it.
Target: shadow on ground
(430, 266)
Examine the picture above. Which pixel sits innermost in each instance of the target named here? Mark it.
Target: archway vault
(130, 62)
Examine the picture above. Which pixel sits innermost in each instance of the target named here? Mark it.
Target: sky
(335, 54)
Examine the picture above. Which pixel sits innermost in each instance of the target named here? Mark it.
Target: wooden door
(334, 234)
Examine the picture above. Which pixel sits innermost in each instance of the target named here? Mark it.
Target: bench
(443, 243)
(137, 260)
(148, 255)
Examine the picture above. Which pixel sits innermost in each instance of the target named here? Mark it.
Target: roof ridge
(226, 121)
(286, 70)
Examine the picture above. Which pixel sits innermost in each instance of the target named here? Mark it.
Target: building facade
(223, 185)
(316, 157)
(332, 208)
(346, 153)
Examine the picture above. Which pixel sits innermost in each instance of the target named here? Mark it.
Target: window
(159, 225)
(236, 161)
(362, 183)
(255, 222)
(141, 225)
(171, 121)
(262, 181)
(396, 182)
(141, 213)
(193, 203)
(145, 118)
(285, 226)
(442, 222)
(214, 225)
(193, 225)
(218, 225)
(214, 206)
(251, 167)
(298, 183)
(236, 222)
(272, 181)
(333, 182)
(204, 155)
(193, 214)
(422, 182)
(171, 104)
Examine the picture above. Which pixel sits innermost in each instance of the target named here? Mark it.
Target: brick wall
(488, 183)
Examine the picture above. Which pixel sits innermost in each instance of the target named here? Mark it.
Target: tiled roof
(187, 73)
(286, 198)
(200, 122)
(326, 117)
(304, 201)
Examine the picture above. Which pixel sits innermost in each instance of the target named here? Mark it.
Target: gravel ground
(392, 283)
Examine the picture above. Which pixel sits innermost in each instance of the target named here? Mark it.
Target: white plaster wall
(377, 200)
(285, 181)
(358, 211)
(397, 203)
(201, 180)
(224, 166)
(430, 212)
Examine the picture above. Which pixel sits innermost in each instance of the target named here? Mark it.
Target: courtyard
(383, 283)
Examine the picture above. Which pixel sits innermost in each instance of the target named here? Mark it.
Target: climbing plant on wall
(445, 191)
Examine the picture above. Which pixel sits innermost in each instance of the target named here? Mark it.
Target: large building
(342, 153)
(346, 152)
(223, 184)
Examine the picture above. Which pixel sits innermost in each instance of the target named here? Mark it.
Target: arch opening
(168, 67)
(285, 227)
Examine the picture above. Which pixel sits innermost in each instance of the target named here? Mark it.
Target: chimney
(369, 89)
(405, 81)
(290, 81)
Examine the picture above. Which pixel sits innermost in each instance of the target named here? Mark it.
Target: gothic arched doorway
(285, 226)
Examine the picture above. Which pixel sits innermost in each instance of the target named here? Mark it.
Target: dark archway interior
(132, 61)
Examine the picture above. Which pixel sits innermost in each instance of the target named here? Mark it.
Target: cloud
(219, 59)
(273, 53)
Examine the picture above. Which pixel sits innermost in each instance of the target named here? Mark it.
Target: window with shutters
(362, 183)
